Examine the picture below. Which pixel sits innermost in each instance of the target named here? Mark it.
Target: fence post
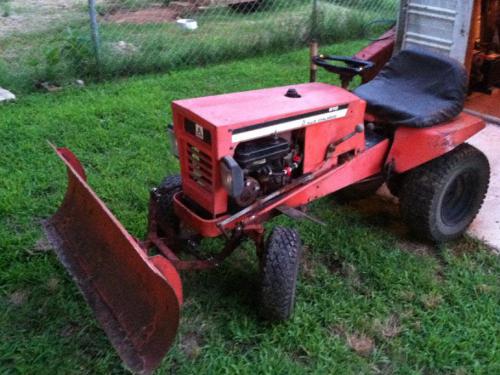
(94, 29)
(314, 21)
(313, 51)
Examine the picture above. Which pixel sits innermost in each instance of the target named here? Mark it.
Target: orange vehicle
(246, 157)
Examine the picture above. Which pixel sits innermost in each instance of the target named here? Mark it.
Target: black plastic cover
(230, 167)
(417, 88)
(352, 65)
(269, 148)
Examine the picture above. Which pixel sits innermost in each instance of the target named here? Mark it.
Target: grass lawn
(62, 51)
(370, 299)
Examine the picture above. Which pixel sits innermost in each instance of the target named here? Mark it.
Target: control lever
(360, 128)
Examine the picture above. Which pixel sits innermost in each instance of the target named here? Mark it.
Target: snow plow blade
(135, 298)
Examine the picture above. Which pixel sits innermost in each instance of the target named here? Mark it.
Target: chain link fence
(56, 41)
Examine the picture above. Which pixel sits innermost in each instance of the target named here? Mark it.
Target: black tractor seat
(416, 88)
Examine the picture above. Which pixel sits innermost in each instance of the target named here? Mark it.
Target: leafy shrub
(77, 49)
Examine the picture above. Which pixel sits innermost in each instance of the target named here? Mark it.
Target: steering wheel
(350, 67)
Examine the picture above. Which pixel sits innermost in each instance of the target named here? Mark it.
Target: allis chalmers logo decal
(290, 123)
(199, 131)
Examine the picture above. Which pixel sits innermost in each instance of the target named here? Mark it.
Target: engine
(235, 149)
(264, 165)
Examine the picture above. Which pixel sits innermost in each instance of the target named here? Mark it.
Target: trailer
(466, 30)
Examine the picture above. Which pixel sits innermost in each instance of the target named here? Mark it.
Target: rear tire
(394, 184)
(279, 272)
(439, 199)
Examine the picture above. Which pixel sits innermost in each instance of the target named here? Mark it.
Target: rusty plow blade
(135, 298)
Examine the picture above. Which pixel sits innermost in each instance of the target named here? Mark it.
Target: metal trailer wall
(438, 25)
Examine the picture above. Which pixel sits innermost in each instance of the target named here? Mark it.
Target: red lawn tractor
(247, 157)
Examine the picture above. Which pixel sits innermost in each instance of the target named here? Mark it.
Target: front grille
(200, 167)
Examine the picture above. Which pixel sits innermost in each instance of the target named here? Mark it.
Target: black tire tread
(279, 271)
(167, 189)
(418, 191)
(394, 183)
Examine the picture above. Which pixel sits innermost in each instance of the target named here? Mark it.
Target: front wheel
(439, 199)
(170, 186)
(279, 272)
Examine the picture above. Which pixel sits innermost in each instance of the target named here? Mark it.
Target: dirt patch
(464, 247)
(310, 262)
(418, 248)
(431, 300)
(407, 295)
(307, 264)
(484, 289)
(41, 246)
(70, 329)
(302, 357)
(191, 344)
(18, 298)
(352, 276)
(53, 284)
(381, 212)
(149, 15)
(360, 343)
(390, 327)
(335, 265)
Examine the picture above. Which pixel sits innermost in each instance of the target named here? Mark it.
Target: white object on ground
(6, 95)
(187, 23)
(124, 47)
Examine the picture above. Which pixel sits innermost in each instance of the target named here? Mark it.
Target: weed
(78, 50)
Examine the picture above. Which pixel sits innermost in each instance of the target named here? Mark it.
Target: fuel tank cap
(293, 93)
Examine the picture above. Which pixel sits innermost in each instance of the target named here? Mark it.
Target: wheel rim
(458, 198)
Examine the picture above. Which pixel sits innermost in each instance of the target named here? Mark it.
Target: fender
(412, 147)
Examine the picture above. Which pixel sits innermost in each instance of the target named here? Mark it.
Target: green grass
(5, 8)
(66, 53)
(426, 310)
